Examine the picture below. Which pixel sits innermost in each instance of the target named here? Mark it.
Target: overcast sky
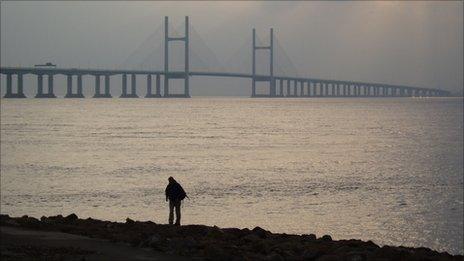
(409, 43)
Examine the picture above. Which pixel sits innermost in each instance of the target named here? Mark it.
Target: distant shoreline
(206, 242)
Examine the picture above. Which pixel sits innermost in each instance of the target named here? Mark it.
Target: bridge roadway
(294, 86)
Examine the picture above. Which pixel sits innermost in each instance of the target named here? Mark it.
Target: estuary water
(385, 169)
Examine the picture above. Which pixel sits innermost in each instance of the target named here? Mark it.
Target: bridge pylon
(176, 75)
(270, 78)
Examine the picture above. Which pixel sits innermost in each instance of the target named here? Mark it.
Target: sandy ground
(25, 244)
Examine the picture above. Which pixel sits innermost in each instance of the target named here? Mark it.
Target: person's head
(171, 180)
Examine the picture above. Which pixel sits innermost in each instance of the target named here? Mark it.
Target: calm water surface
(387, 170)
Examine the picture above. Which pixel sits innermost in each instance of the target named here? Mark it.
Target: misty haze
(248, 130)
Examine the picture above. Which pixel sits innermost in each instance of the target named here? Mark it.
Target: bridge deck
(104, 72)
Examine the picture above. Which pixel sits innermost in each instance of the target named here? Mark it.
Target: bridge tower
(176, 75)
(270, 78)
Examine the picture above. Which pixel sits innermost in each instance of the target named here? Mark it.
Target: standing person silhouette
(175, 193)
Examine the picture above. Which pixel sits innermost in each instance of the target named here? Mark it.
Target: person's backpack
(182, 194)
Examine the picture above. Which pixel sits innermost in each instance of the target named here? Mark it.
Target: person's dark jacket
(175, 192)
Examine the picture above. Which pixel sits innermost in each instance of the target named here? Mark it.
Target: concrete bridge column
(301, 88)
(281, 87)
(39, 85)
(50, 86)
(295, 88)
(9, 86)
(149, 94)
(150, 85)
(97, 86)
(158, 86)
(326, 88)
(309, 88)
(253, 87)
(321, 89)
(272, 87)
(338, 90)
(68, 86)
(124, 85)
(20, 93)
(40, 91)
(133, 86)
(288, 88)
(79, 86)
(344, 89)
(333, 89)
(107, 86)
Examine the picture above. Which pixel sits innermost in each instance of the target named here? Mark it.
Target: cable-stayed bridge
(156, 65)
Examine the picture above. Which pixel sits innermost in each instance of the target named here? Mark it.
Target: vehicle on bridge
(49, 64)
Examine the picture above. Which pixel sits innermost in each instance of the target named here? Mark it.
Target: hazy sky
(410, 43)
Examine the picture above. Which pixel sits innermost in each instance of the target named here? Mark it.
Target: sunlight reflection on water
(387, 170)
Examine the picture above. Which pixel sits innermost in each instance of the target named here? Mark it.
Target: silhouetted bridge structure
(279, 85)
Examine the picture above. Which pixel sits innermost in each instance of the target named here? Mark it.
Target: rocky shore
(212, 243)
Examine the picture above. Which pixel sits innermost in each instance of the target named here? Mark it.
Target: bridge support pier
(133, 93)
(301, 89)
(69, 93)
(281, 87)
(288, 88)
(149, 87)
(98, 93)
(308, 89)
(40, 93)
(295, 88)
(107, 87)
(9, 86)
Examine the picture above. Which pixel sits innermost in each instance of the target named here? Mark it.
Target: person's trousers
(172, 205)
